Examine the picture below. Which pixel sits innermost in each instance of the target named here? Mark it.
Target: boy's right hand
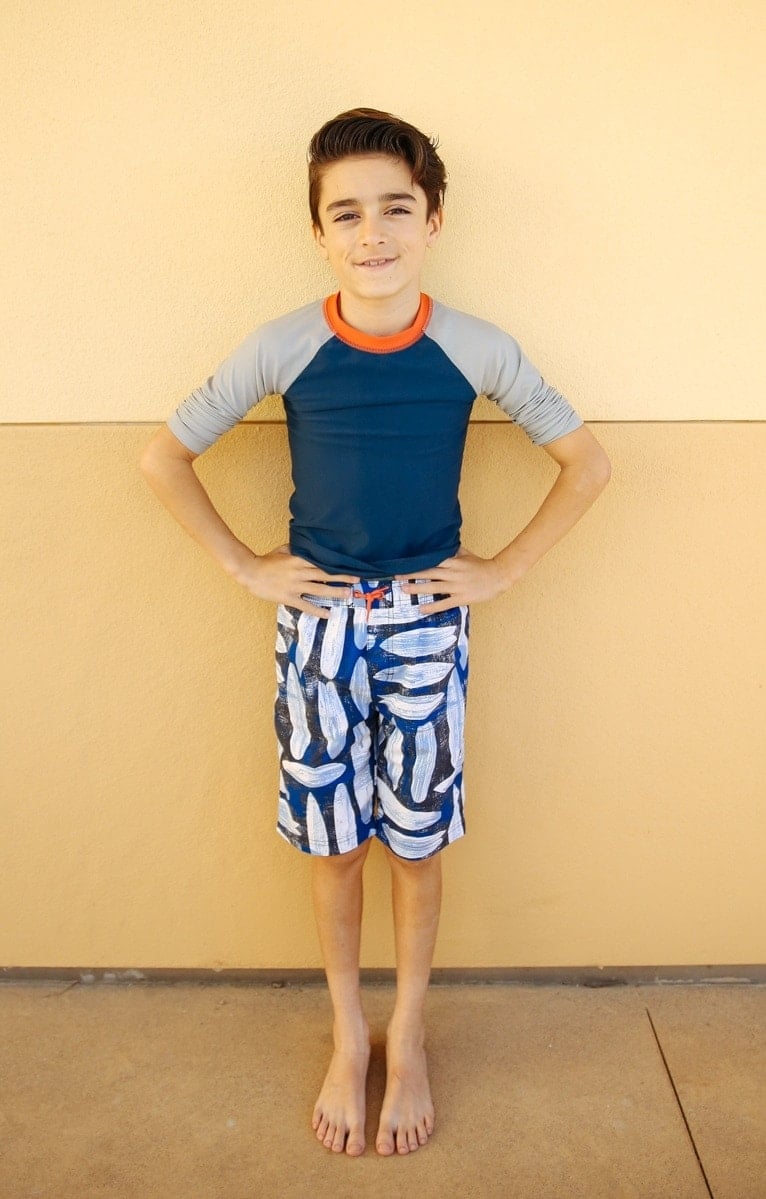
(284, 577)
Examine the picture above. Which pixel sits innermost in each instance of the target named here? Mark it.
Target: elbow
(146, 461)
(603, 470)
(152, 460)
(162, 452)
(597, 468)
(591, 477)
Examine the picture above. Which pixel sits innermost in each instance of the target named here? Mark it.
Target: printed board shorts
(369, 715)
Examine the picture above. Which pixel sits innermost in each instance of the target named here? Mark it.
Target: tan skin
(375, 248)
(466, 578)
(407, 1117)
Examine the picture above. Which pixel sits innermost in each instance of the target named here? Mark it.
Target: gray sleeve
(517, 386)
(497, 367)
(225, 398)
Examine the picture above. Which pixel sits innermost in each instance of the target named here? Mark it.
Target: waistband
(385, 595)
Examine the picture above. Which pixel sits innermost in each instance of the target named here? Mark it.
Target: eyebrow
(386, 198)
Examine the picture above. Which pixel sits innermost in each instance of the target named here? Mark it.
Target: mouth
(375, 264)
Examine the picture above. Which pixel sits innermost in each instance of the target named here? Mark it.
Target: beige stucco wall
(605, 196)
(615, 733)
(602, 207)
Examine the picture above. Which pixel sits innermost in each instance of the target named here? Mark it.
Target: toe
(412, 1140)
(422, 1132)
(385, 1142)
(338, 1141)
(329, 1136)
(401, 1140)
(321, 1127)
(355, 1142)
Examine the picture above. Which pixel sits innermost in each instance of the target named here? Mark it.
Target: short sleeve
(517, 387)
(495, 365)
(224, 398)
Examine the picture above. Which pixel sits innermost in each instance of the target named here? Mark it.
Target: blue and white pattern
(370, 718)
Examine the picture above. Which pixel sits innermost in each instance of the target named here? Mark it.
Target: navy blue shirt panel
(376, 425)
(394, 425)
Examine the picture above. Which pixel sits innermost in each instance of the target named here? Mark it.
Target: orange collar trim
(366, 341)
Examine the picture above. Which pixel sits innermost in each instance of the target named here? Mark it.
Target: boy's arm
(466, 578)
(166, 464)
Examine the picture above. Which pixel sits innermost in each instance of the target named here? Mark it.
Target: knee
(339, 863)
(413, 866)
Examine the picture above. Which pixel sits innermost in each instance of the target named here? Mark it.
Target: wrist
(512, 566)
(237, 561)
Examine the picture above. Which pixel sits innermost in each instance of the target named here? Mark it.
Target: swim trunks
(369, 715)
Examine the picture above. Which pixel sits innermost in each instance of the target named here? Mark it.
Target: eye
(344, 216)
(406, 211)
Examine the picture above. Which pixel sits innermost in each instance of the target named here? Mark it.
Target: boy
(373, 591)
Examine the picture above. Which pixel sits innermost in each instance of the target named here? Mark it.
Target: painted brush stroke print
(370, 717)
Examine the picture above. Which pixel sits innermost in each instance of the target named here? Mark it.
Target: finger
(317, 575)
(442, 606)
(326, 589)
(437, 566)
(422, 586)
(323, 577)
(454, 573)
(312, 609)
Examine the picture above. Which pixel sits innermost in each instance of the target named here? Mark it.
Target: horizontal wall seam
(130, 424)
(584, 976)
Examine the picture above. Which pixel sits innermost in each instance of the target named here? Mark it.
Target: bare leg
(407, 1115)
(336, 884)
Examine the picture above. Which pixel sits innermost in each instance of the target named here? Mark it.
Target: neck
(380, 318)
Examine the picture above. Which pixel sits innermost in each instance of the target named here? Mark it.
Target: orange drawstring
(369, 596)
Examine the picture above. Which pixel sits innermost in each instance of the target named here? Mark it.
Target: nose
(370, 230)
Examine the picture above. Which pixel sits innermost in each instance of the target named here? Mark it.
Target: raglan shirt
(376, 426)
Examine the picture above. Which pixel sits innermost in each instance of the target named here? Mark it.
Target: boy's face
(374, 228)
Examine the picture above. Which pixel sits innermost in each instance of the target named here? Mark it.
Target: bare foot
(407, 1115)
(339, 1111)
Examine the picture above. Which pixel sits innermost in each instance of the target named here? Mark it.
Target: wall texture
(601, 206)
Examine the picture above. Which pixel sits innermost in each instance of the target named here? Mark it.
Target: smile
(375, 263)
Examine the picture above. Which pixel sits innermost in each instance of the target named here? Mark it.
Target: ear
(319, 238)
(434, 226)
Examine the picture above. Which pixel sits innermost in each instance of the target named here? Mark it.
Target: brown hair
(369, 131)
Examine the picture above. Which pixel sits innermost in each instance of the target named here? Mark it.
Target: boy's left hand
(464, 579)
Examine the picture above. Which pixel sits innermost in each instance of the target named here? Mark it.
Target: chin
(382, 287)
